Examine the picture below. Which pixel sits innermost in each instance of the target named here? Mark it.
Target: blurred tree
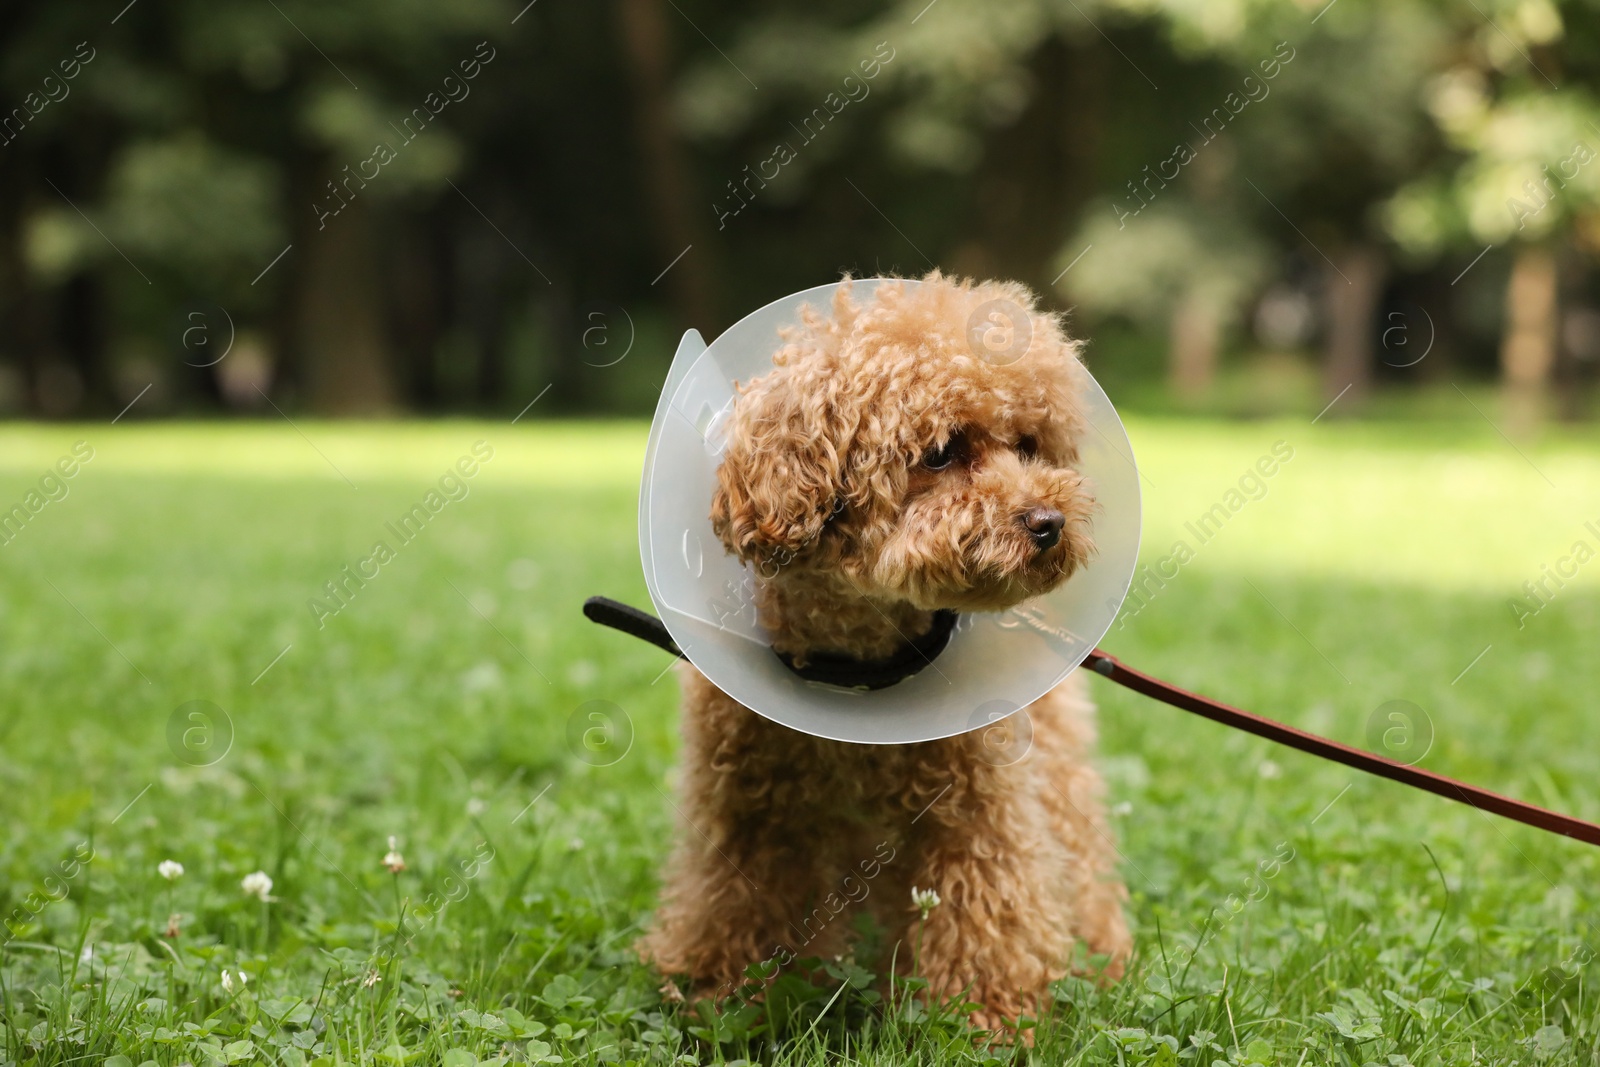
(1524, 172)
(903, 136)
(1175, 267)
(368, 95)
(228, 134)
(1319, 120)
(678, 227)
(44, 77)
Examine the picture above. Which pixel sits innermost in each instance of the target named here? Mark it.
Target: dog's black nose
(1044, 525)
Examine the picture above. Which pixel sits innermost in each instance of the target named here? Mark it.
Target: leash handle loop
(631, 621)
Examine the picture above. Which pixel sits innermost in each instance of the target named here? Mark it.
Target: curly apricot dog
(883, 470)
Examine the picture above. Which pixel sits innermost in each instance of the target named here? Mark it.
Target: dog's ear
(781, 477)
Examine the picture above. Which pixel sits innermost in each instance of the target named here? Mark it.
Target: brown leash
(647, 627)
(1471, 795)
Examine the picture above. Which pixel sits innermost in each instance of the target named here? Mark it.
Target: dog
(905, 455)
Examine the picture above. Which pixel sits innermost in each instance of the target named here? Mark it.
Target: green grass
(436, 707)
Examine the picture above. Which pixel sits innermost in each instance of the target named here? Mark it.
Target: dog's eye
(937, 459)
(1028, 445)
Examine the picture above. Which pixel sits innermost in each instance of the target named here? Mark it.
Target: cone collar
(995, 663)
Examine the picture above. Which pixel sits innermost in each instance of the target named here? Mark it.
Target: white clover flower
(925, 900)
(476, 807)
(1123, 808)
(171, 870)
(1269, 770)
(392, 859)
(257, 884)
(230, 982)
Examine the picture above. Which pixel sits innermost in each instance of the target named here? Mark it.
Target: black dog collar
(850, 673)
(845, 672)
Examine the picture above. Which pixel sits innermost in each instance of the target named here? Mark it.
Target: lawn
(1287, 911)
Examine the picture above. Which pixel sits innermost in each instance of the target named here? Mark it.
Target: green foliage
(1528, 170)
(196, 206)
(1170, 251)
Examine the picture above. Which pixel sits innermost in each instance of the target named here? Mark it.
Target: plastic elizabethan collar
(995, 663)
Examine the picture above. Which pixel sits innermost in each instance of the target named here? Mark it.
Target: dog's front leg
(754, 874)
(1001, 931)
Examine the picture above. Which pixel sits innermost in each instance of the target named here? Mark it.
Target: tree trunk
(1353, 284)
(1196, 338)
(345, 358)
(665, 173)
(1528, 348)
(22, 306)
(82, 332)
(420, 293)
(1037, 172)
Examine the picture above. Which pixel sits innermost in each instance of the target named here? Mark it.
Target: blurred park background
(402, 207)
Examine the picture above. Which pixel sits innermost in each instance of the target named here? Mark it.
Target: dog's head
(918, 447)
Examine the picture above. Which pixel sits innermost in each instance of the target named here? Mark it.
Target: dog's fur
(826, 487)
